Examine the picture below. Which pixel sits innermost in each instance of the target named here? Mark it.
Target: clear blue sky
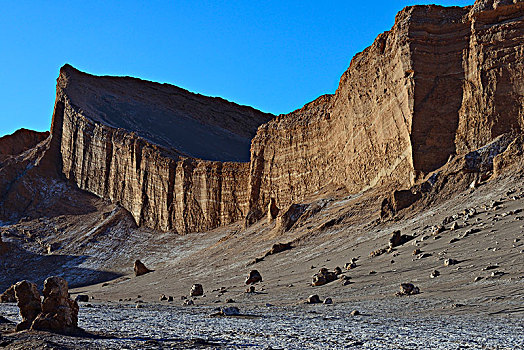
(272, 55)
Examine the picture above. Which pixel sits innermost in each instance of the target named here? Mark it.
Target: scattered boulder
(140, 268)
(189, 302)
(250, 289)
(278, 248)
(449, 262)
(196, 290)
(454, 226)
(350, 265)
(434, 274)
(170, 298)
(396, 239)
(323, 276)
(254, 277)
(8, 296)
(163, 297)
(416, 252)
(230, 311)
(328, 301)
(59, 312)
(345, 280)
(28, 299)
(338, 270)
(355, 313)
(378, 252)
(82, 298)
(313, 299)
(408, 289)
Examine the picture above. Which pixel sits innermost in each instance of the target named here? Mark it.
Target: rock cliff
(442, 82)
(154, 148)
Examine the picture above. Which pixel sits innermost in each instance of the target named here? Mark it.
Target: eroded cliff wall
(441, 82)
(162, 187)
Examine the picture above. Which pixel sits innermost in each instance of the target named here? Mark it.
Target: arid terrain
(398, 201)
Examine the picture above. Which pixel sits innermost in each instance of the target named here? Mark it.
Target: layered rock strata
(441, 82)
(109, 141)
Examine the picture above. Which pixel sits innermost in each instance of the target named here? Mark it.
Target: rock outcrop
(160, 151)
(140, 269)
(59, 313)
(442, 82)
(8, 296)
(28, 300)
(20, 141)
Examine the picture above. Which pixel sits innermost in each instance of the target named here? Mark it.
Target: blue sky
(272, 55)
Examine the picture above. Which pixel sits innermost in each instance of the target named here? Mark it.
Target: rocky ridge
(441, 83)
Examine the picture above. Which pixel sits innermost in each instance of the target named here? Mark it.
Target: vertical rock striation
(442, 81)
(106, 141)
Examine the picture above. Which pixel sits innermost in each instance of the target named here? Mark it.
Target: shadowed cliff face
(133, 149)
(194, 125)
(442, 81)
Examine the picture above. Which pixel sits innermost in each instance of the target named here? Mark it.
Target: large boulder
(140, 268)
(59, 313)
(28, 299)
(396, 239)
(8, 296)
(285, 221)
(196, 290)
(254, 277)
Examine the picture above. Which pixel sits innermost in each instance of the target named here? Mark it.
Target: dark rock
(28, 299)
(82, 298)
(8, 296)
(396, 239)
(254, 277)
(140, 268)
(313, 299)
(408, 289)
(196, 290)
(449, 262)
(328, 301)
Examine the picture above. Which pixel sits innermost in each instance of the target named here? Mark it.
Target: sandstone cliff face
(493, 62)
(441, 82)
(111, 149)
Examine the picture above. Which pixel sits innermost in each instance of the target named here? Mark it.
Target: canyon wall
(162, 187)
(441, 82)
